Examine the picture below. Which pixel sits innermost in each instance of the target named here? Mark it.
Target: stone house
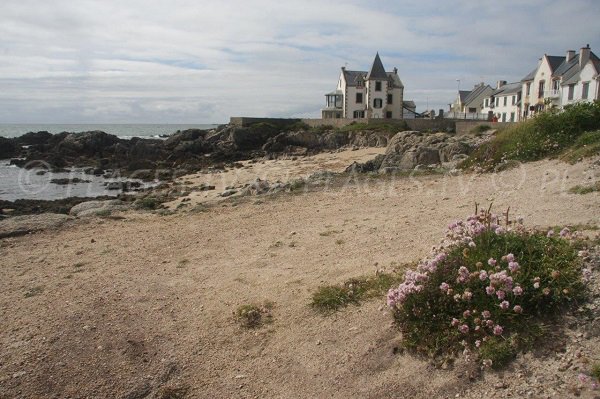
(375, 94)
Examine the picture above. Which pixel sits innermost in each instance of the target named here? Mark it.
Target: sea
(125, 131)
(18, 183)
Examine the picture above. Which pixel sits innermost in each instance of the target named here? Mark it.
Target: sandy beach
(129, 307)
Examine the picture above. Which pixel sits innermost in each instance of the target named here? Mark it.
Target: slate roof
(571, 74)
(529, 76)
(396, 79)
(508, 89)
(352, 77)
(409, 104)
(476, 92)
(463, 94)
(555, 61)
(377, 70)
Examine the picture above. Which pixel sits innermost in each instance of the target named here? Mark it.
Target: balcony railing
(552, 93)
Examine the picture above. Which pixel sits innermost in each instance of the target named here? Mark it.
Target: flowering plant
(485, 288)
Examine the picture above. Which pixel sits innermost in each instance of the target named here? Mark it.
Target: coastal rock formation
(183, 152)
(94, 208)
(308, 140)
(410, 149)
(21, 225)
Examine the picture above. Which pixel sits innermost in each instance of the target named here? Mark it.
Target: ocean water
(122, 130)
(19, 183)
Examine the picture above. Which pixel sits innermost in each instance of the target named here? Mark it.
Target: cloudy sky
(202, 61)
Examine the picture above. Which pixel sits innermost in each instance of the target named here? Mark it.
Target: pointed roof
(377, 70)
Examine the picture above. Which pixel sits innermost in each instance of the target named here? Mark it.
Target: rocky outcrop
(183, 152)
(294, 142)
(96, 208)
(411, 149)
(21, 225)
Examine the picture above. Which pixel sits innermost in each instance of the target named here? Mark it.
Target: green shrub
(149, 203)
(587, 145)
(547, 134)
(487, 289)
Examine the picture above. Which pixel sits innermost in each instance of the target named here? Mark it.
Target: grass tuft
(254, 315)
(585, 189)
(331, 298)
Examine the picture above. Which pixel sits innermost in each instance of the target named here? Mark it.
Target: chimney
(343, 68)
(570, 55)
(395, 71)
(500, 83)
(584, 55)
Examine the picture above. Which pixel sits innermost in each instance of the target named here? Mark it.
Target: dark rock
(65, 181)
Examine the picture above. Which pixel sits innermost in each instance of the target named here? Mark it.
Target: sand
(124, 308)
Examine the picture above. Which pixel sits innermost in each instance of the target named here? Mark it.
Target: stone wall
(438, 125)
(464, 127)
(243, 121)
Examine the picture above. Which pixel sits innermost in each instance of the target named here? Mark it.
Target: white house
(469, 104)
(504, 103)
(581, 82)
(360, 94)
(558, 81)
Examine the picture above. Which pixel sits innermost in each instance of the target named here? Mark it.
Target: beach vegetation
(578, 189)
(572, 132)
(254, 315)
(488, 289)
(331, 298)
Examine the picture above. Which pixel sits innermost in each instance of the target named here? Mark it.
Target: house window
(504, 117)
(571, 91)
(541, 89)
(585, 90)
(359, 83)
(388, 114)
(497, 101)
(359, 114)
(505, 101)
(486, 102)
(514, 100)
(377, 85)
(389, 98)
(528, 89)
(359, 98)
(472, 110)
(555, 84)
(377, 103)
(512, 116)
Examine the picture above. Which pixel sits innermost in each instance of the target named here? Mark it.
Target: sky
(203, 61)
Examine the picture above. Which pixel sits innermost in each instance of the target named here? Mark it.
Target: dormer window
(359, 83)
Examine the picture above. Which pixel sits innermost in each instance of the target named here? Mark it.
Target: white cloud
(203, 61)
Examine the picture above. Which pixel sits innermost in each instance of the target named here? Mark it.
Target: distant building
(561, 80)
(470, 103)
(409, 110)
(504, 103)
(363, 95)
